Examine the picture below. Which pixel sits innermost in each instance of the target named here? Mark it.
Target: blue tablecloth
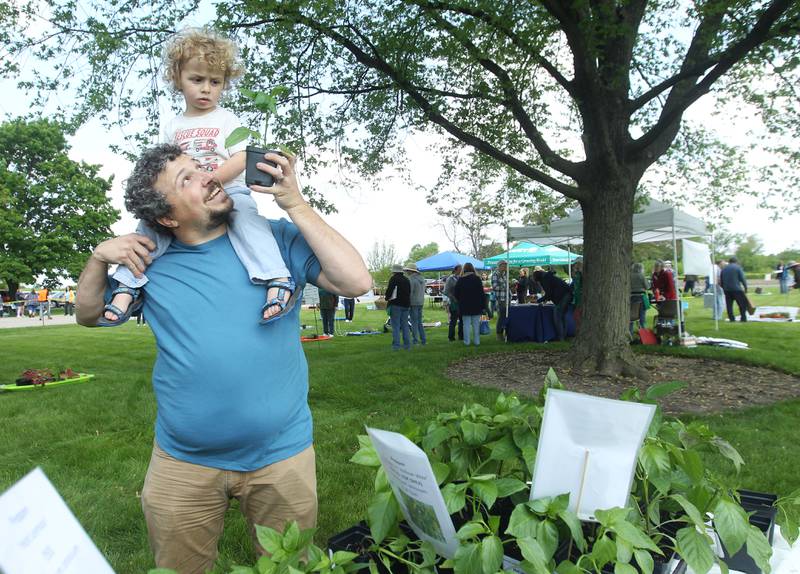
(533, 322)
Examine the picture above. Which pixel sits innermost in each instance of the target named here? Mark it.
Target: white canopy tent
(656, 221)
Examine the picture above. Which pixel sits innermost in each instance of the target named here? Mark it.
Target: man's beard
(217, 218)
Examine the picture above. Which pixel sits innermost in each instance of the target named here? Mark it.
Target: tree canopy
(581, 101)
(53, 210)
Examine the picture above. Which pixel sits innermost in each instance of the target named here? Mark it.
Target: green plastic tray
(81, 378)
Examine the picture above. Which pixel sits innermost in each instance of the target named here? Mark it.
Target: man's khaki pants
(184, 505)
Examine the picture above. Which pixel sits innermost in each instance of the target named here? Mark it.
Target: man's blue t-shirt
(231, 393)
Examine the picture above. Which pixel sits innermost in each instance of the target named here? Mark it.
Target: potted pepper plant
(266, 103)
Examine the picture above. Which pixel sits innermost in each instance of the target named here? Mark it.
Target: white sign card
(414, 484)
(39, 534)
(588, 447)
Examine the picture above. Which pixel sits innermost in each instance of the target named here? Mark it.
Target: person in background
(577, 292)
(734, 285)
(782, 274)
(639, 288)
(452, 305)
(398, 298)
(522, 286)
(501, 297)
(417, 301)
(69, 301)
(471, 303)
(663, 282)
(349, 308)
(794, 268)
(19, 299)
(328, 302)
(557, 291)
(689, 281)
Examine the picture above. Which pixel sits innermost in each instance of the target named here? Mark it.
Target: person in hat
(501, 296)
(417, 302)
(398, 298)
(663, 282)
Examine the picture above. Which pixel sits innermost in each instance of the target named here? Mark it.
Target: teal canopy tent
(526, 254)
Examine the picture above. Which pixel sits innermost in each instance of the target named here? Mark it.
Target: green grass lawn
(94, 440)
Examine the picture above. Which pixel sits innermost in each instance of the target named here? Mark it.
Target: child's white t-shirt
(203, 138)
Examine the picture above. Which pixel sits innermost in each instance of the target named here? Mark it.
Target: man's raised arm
(129, 250)
(343, 270)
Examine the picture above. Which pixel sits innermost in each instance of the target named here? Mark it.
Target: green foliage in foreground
(94, 440)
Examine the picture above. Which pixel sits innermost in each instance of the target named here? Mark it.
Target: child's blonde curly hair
(215, 50)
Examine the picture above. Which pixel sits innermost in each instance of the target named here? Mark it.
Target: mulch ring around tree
(712, 385)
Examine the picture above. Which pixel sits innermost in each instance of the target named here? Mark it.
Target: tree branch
(512, 101)
(681, 98)
(429, 109)
(498, 24)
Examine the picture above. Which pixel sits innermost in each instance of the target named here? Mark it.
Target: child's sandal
(286, 306)
(122, 316)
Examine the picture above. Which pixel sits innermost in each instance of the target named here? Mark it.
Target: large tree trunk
(602, 345)
(13, 286)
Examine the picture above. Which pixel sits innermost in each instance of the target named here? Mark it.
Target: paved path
(11, 322)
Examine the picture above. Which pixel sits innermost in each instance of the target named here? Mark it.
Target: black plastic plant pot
(358, 539)
(253, 175)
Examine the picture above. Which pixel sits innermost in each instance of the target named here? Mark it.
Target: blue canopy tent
(446, 260)
(525, 254)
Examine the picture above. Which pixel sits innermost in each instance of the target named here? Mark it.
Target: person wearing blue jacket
(734, 285)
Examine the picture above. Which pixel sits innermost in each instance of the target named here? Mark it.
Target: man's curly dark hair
(141, 197)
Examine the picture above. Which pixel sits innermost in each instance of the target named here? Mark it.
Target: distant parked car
(434, 287)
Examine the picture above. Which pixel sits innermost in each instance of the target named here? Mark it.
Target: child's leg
(251, 237)
(125, 277)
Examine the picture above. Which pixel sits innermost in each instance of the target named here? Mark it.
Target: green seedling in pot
(266, 103)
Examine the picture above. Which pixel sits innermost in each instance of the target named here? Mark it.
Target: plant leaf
(604, 551)
(503, 449)
(732, 524)
(624, 568)
(547, 536)
(238, 135)
(291, 536)
(382, 513)
(470, 530)
(690, 509)
(440, 470)
(635, 536)
(270, 540)
(523, 522)
(474, 433)
(645, 561)
(467, 559)
(491, 554)
(576, 530)
(533, 553)
(663, 389)
(454, 497)
(485, 490)
(726, 449)
(508, 486)
(695, 548)
(341, 557)
(758, 548)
